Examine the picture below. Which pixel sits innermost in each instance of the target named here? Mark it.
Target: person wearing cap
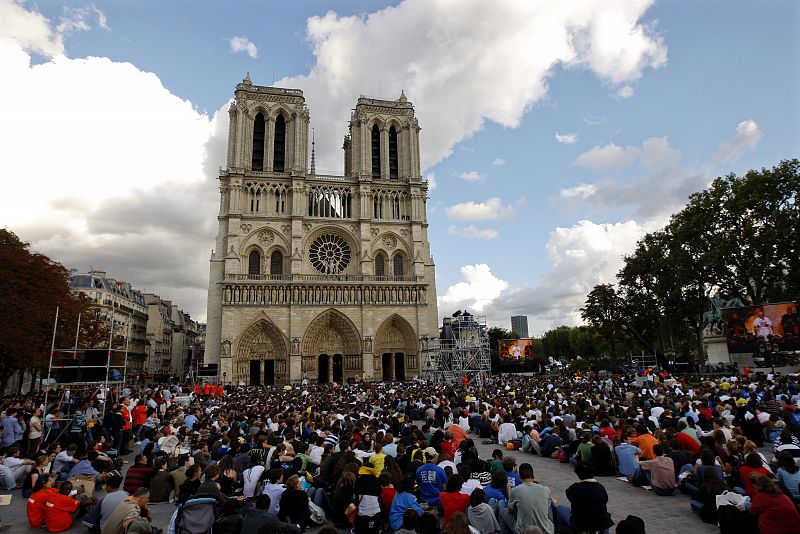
(431, 478)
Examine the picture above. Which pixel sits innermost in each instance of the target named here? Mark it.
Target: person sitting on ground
(410, 522)
(481, 516)
(161, 484)
(61, 508)
(230, 518)
(259, 515)
(294, 504)
(659, 473)
(528, 504)
(704, 500)
(431, 478)
(602, 458)
(131, 515)
(96, 519)
(627, 457)
(40, 468)
(20, 467)
(459, 524)
(192, 483)
(550, 442)
(788, 474)
(752, 464)
(776, 513)
(404, 501)
(452, 499)
(588, 499)
(37, 501)
(138, 475)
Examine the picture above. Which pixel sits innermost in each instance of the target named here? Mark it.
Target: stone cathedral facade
(319, 277)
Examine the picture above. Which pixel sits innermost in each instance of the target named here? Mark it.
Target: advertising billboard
(746, 328)
(516, 349)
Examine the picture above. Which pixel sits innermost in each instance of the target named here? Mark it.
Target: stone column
(269, 141)
(384, 153)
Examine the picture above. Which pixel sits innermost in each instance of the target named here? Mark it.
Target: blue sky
(519, 221)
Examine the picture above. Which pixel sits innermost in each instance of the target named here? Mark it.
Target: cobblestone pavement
(661, 514)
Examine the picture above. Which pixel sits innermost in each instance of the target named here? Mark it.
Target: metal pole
(108, 361)
(50, 367)
(77, 333)
(127, 339)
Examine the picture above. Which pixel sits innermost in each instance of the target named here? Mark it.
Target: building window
(380, 265)
(255, 200)
(376, 152)
(258, 143)
(279, 147)
(331, 203)
(329, 254)
(276, 263)
(393, 164)
(398, 264)
(254, 263)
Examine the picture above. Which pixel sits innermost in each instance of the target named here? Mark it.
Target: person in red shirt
(197, 389)
(452, 499)
(776, 513)
(59, 509)
(387, 494)
(37, 502)
(752, 464)
(126, 428)
(220, 390)
(139, 416)
(207, 389)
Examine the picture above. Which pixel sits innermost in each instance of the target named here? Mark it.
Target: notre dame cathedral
(319, 277)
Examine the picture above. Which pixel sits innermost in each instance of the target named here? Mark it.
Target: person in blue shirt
(497, 490)
(510, 466)
(403, 500)
(189, 420)
(12, 430)
(431, 479)
(85, 467)
(627, 456)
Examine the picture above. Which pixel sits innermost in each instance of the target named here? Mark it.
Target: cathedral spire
(313, 154)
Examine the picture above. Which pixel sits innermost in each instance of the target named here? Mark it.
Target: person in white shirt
(762, 325)
(507, 431)
(250, 478)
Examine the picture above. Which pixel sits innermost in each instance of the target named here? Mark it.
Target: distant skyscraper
(519, 324)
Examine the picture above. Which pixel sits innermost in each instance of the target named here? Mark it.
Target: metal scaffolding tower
(462, 351)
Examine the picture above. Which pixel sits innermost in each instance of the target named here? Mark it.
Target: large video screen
(746, 328)
(516, 349)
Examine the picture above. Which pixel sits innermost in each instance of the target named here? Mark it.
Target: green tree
(555, 343)
(603, 312)
(33, 286)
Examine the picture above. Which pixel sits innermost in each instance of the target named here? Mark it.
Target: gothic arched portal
(395, 349)
(331, 348)
(261, 356)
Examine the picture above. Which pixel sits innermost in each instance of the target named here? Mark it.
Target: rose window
(329, 254)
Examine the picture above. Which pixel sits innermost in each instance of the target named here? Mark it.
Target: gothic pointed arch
(261, 341)
(279, 144)
(331, 334)
(259, 129)
(376, 151)
(395, 336)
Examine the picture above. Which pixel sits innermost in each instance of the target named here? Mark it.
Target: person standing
(528, 505)
(35, 433)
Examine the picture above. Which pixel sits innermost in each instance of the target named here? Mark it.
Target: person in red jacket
(59, 509)
(776, 513)
(197, 389)
(37, 502)
(206, 389)
(139, 416)
(126, 428)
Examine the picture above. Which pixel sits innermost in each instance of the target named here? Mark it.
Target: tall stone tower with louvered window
(319, 277)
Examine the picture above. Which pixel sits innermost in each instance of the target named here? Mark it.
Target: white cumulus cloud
(471, 176)
(478, 289)
(473, 231)
(579, 191)
(448, 63)
(240, 44)
(29, 29)
(609, 158)
(81, 19)
(498, 162)
(133, 192)
(567, 139)
(493, 208)
(748, 134)
(625, 91)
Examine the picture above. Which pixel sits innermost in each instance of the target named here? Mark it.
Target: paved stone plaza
(661, 514)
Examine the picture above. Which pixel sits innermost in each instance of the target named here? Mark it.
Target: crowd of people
(403, 457)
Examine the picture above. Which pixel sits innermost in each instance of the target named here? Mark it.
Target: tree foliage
(737, 238)
(33, 286)
(602, 312)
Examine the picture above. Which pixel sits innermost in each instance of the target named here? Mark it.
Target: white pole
(108, 361)
(127, 339)
(50, 367)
